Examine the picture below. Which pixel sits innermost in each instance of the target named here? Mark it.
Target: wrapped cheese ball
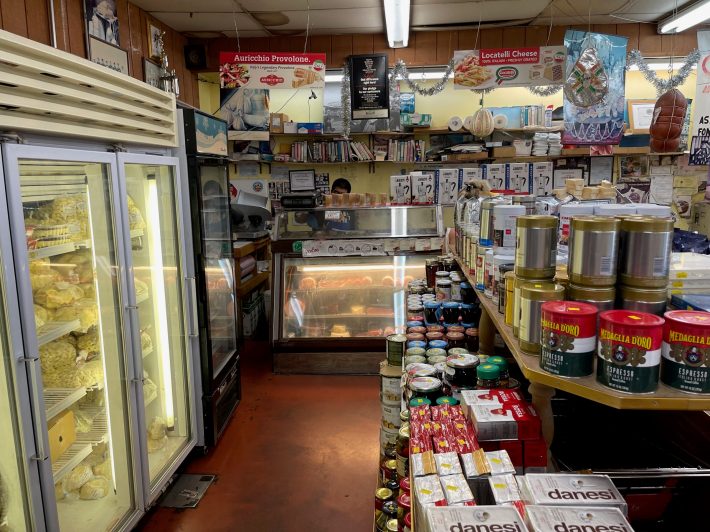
(79, 476)
(96, 488)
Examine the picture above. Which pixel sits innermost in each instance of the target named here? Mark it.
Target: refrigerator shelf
(140, 298)
(147, 352)
(57, 400)
(57, 329)
(99, 429)
(151, 398)
(388, 290)
(215, 196)
(71, 458)
(51, 251)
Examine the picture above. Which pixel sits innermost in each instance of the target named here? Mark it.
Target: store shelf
(246, 287)
(56, 400)
(250, 247)
(51, 251)
(51, 331)
(664, 398)
(71, 458)
(99, 428)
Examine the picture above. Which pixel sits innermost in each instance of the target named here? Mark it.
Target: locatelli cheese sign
(271, 70)
(509, 67)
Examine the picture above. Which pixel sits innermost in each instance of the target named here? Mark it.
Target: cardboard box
(534, 456)
(291, 128)
(469, 174)
(62, 434)
(276, 122)
(472, 518)
(310, 128)
(571, 490)
(422, 188)
(504, 151)
(492, 422)
(415, 119)
(581, 517)
(448, 185)
(542, 178)
(495, 175)
(401, 189)
(516, 454)
(517, 176)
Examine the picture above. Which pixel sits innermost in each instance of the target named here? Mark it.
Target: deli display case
(340, 282)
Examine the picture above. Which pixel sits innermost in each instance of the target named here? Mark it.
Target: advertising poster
(701, 118)
(271, 70)
(594, 90)
(369, 86)
(509, 67)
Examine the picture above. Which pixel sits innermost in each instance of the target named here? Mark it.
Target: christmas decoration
(663, 85)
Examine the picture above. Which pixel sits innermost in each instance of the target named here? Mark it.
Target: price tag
(333, 216)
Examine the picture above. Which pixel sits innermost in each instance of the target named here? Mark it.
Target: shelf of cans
(607, 304)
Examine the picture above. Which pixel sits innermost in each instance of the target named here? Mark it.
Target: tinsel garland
(545, 91)
(663, 85)
(345, 100)
(400, 70)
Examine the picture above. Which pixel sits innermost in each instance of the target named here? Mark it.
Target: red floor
(299, 455)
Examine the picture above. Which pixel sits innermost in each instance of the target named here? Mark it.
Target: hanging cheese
(667, 124)
(482, 125)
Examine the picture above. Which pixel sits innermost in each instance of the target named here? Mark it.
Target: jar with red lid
(455, 328)
(419, 329)
(456, 339)
(435, 328)
(407, 523)
(415, 337)
(404, 486)
(472, 339)
(434, 335)
(404, 506)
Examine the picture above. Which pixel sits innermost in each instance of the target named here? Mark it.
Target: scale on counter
(250, 217)
(302, 200)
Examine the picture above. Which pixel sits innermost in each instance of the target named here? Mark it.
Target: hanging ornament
(663, 85)
(545, 90)
(587, 83)
(667, 123)
(345, 100)
(400, 71)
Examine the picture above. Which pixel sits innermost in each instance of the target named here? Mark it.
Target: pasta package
(84, 310)
(58, 295)
(135, 218)
(40, 316)
(79, 476)
(96, 488)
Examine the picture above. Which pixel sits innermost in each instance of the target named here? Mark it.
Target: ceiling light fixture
(428, 75)
(397, 20)
(687, 18)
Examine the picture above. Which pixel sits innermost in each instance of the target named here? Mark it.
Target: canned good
(509, 299)
(603, 298)
(395, 345)
(593, 249)
(651, 300)
(526, 200)
(532, 296)
(481, 251)
(450, 311)
(629, 350)
(566, 214)
(504, 217)
(569, 338)
(461, 369)
(486, 232)
(501, 265)
(472, 339)
(519, 283)
(390, 416)
(646, 251)
(686, 343)
(443, 289)
(488, 274)
(536, 251)
(427, 387)
(390, 383)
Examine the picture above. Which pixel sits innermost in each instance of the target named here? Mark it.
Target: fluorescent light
(662, 64)
(687, 18)
(354, 268)
(397, 20)
(333, 78)
(419, 76)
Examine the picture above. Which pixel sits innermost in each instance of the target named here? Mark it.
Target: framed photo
(631, 167)
(154, 47)
(151, 73)
(108, 55)
(302, 180)
(101, 20)
(640, 115)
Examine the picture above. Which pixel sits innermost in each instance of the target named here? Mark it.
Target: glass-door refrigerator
(204, 166)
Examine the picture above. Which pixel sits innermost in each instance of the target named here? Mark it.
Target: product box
(546, 518)
(276, 122)
(401, 189)
(422, 464)
(310, 128)
(517, 177)
(456, 490)
(466, 175)
(490, 397)
(474, 518)
(406, 102)
(570, 490)
(514, 421)
(500, 463)
(422, 188)
(448, 185)
(691, 302)
(516, 454)
(541, 178)
(535, 456)
(62, 434)
(290, 127)
(447, 464)
(426, 492)
(504, 489)
(495, 175)
(415, 119)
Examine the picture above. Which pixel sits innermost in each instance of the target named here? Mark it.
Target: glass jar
(455, 339)
(393, 485)
(449, 264)
(456, 288)
(428, 387)
(404, 506)
(414, 312)
(468, 295)
(435, 328)
(404, 416)
(434, 352)
(382, 495)
(488, 377)
(441, 274)
(404, 486)
(438, 344)
(403, 453)
(450, 310)
(414, 323)
(411, 337)
(431, 312)
(419, 401)
(472, 339)
(431, 267)
(418, 329)
(434, 335)
(389, 469)
(416, 343)
(502, 364)
(388, 513)
(451, 401)
(461, 369)
(455, 328)
(443, 289)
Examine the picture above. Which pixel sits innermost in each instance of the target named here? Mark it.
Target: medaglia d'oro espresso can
(568, 338)
(686, 351)
(629, 350)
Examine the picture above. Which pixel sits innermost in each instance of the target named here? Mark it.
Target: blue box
(691, 302)
(310, 128)
(406, 102)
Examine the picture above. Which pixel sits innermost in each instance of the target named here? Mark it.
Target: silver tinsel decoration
(545, 90)
(663, 85)
(400, 70)
(345, 100)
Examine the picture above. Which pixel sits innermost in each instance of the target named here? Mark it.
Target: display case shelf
(147, 352)
(99, 429)
(151, 398)
(142, 297)
(71, 458)
(51, 251)
(345, 317)
(51, 331)
(56, 400)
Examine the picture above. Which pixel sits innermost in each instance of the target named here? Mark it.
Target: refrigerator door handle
(192, 283)
(35, 375)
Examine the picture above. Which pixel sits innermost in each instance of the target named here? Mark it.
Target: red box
(535, 455)
(529, 426)
(490, 445)
(515, 451)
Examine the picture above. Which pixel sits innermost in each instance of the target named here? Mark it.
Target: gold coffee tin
(593, 245)
(509, 297)
(645, 251)
(532, 296)
(649, 300)
(603, 297)
(536, 249)
(517, 287)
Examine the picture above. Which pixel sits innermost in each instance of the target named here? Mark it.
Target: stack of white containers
(504, 239)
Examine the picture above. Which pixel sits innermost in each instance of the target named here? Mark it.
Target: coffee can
(645, 253)
(593, 250)
(686, 351)
(396, 345)
(568, 338)
(532, 297)
(536, 247)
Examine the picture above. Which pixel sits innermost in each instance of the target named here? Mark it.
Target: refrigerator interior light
(397, 22)
(160, 301)
(687, 18)
(357, 268)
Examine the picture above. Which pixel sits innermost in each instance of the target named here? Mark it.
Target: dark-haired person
(317, 220)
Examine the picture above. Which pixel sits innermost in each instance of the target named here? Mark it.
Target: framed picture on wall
(108, 55)
(151, 73)
(154, 44)
(640, 115)
(101, 20)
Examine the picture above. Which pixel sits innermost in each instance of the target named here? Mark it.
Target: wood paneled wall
(31, 19)
(437, 47)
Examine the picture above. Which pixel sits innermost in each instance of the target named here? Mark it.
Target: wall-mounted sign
(509, 67)
(369, 86)
(271, 70)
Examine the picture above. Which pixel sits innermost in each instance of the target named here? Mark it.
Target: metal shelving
(71, 458)
(54, 330)
(57, 400)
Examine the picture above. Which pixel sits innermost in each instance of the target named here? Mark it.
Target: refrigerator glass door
(154, 219)
(218, 264)
(68, 260)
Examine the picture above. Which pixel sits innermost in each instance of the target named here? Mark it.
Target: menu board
(369, 86)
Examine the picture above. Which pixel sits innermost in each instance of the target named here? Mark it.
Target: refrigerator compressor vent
(45, 90)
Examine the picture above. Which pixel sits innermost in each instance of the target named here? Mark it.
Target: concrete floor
(301, 454)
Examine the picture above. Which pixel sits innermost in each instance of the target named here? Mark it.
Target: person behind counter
(317, 221)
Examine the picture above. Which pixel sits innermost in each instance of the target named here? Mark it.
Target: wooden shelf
(664, 398)
(251, 284)
(251, 247)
